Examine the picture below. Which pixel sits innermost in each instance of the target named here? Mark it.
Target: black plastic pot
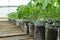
(50, 31)
(18, 23)
(21, 25)
(9, 20)
(31, 29)
(39, 31)
(58, 29)
(14, 21)
(26, 27)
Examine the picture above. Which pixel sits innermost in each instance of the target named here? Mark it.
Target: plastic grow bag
(39, 32)
(26, 27)
(50, 31)
(18, 23)
(31, 29)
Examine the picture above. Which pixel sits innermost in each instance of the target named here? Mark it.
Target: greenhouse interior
(29, 19)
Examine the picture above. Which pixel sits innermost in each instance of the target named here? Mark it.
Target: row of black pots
(12, 20)
(40, 32)
(52, 31)
(33, 30)
(46, 31)
(26, 26)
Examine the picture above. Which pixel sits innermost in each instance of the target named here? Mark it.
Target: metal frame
(7, 6)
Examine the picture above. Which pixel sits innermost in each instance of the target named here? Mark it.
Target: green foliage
(13, 15)
(47, 10)
(40, 10)
(58, 1)
(22, 12)
(27, 11)
(41, 1)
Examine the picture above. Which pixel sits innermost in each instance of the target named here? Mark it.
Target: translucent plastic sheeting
(5, 10)
(18, 2)
(10, 9)
(13, 2)
(3, 2)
